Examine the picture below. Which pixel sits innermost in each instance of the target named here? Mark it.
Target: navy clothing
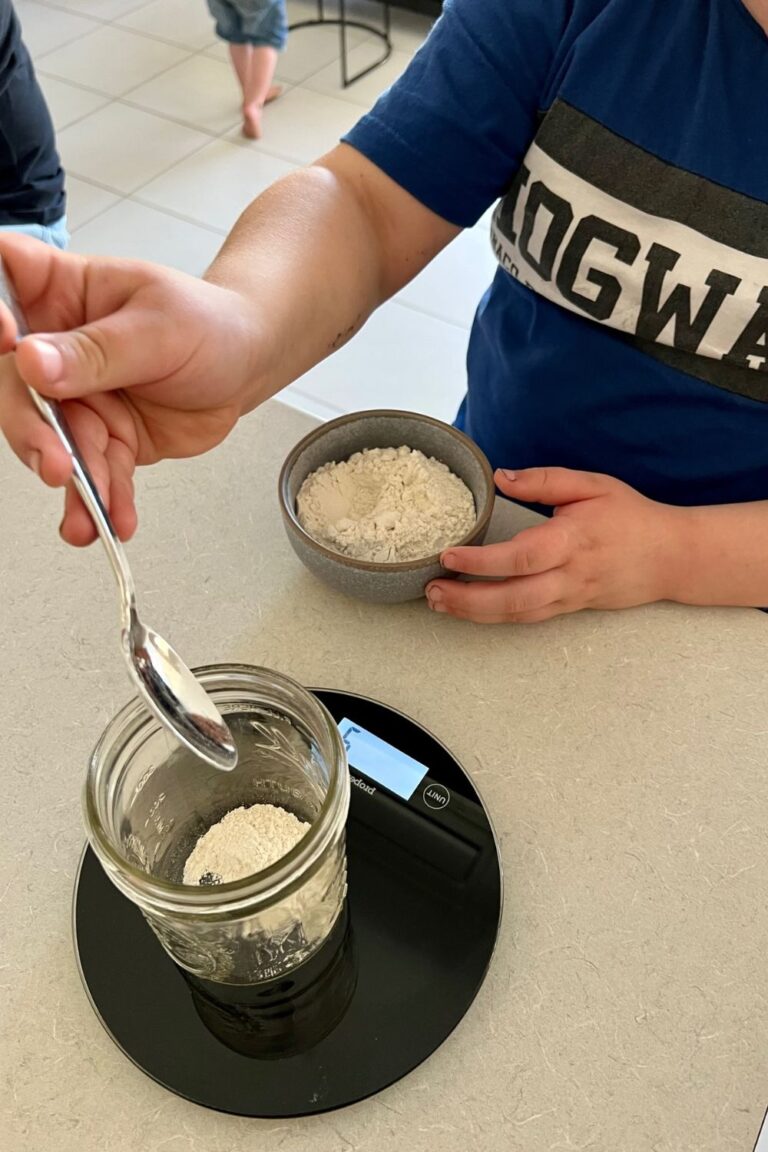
(626, 329)
(31, 178)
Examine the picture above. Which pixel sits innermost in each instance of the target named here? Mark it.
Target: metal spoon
(168, 688)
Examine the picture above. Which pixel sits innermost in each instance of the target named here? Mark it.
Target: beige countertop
(623, 759)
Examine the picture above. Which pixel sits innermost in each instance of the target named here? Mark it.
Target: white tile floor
(146, 111)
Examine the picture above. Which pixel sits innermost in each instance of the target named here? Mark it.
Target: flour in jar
(245, 841)
(386, 505)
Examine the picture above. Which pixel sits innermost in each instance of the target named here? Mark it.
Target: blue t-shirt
(626, 329)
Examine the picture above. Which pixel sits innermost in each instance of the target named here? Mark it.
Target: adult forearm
(723, 555)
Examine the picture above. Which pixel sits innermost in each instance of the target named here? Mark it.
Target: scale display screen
(381, 762)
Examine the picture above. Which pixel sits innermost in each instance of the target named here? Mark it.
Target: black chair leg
(344, 23)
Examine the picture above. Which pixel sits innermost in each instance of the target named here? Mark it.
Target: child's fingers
(77, 527)
(536, 617)
(533, 550)
(35, 444)
(551, 485)
(8, 332)
(122, 509)
(111, 464)
(507, 599)
(110, 461)
(92, 438)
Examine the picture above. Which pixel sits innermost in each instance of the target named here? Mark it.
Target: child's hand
(605, 547)
(147, 363)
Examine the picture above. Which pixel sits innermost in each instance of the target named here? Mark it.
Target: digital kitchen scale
(395, 977)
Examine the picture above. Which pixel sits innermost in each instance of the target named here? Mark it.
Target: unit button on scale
(436, 796)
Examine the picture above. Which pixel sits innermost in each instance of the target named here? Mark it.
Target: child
(256, 30)
(618, 363)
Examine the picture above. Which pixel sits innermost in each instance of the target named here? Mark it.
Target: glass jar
(148, 800)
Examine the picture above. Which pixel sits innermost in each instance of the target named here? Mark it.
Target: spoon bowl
(176, 696)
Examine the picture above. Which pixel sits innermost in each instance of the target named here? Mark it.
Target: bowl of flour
(371, 500)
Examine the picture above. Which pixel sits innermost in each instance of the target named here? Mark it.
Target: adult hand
(605, 547)
(147, 362)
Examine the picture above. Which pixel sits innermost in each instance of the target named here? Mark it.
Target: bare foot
(252, 113)
(252, 122)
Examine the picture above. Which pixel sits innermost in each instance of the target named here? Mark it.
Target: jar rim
(275, 882)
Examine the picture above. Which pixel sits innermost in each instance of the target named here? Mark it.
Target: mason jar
(148, 801)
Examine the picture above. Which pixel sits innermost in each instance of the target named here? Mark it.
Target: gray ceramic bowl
(381, 428)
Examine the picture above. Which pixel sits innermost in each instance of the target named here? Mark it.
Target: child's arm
(153, 364)
(316, 254)
(607, 547)
(725, 555)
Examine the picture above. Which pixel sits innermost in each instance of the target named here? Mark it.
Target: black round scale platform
(394, 979)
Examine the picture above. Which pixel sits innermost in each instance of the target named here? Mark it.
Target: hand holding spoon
(168, 687)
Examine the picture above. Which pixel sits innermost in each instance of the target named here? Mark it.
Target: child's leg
(241, 62)
(259, 88)
(265, 26)
(242, 56)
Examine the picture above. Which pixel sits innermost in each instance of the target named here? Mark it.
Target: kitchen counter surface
(623, 760)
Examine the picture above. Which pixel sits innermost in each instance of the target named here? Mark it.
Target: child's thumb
(77, 363)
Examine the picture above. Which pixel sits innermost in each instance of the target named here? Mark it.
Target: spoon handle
(52, 413)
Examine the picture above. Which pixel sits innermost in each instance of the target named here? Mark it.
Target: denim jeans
(256, 22)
